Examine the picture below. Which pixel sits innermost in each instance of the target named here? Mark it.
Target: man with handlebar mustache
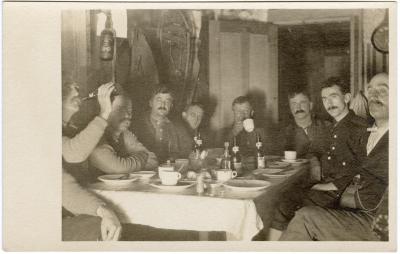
(343, 153)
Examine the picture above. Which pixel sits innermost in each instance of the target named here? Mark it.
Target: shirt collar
(375, 128)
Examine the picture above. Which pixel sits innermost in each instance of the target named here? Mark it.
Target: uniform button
(335, 136)
(344, 163)
(333, 148)
(329, 158)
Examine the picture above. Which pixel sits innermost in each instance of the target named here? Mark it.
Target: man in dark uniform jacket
(354, 218)
(343, 153)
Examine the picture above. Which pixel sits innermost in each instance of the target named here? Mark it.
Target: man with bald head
(355, 218)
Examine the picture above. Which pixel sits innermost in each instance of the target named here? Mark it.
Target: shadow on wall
(264, 119)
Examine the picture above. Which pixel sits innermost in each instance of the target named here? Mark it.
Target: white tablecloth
(234, 213)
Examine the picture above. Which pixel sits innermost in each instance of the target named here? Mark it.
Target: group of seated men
(346, 157)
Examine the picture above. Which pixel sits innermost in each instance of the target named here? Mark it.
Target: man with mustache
(119, 151)
(305, 130)
(188, 128)
(361, 211)
(343, 153)
(85, 217)
(156, 131)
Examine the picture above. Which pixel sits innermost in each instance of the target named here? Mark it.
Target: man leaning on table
(342, 155)
(356, 217)
(119, 151)
(85, 217)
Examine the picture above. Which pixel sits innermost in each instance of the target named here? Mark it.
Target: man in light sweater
(85, 217)
(119, 151)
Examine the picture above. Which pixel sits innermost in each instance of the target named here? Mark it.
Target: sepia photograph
(234, 124)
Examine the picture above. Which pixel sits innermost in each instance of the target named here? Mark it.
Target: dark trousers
(298, 196)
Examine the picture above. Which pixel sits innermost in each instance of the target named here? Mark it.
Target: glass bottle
(260, 153)
(226, 160)
(107, 40)
(236, 160)
(198, 145)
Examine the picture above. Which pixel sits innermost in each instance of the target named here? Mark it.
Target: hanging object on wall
(380, 36)
(176, 33)
(107, 40)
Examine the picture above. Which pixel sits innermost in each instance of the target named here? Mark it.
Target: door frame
(356, 45)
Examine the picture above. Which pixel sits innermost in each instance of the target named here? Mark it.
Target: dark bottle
(198, 145)
(107, 40)
(260, 159)
(236, 160)
(226, 160)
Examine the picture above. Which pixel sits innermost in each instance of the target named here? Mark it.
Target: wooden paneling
(74, 54)
(243, 63)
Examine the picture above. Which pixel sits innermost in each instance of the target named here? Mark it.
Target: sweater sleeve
(78, 148)
(133, 145)
(107, 160)
(76, 199)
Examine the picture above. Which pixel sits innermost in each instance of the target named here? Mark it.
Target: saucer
(178, 187)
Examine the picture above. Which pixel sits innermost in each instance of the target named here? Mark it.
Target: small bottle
(226, 160)
(236, 160)
(107, 40)
(259, 153)
(200, 183)
(93, 94)
(198, 145)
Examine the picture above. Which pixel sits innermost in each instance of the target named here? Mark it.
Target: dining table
(240, 213)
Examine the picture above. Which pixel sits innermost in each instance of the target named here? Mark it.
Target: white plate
(246, 185)
(290, 172)
(278, 164)
(297, 161)
(178, 187)
(115, 179)
(144, 174)
(272, 157)
(267, 171)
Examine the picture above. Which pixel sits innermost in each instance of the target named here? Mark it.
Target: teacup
(290, 155)
(170, 177)
(165, 167)
(223, 175)
(248, 125)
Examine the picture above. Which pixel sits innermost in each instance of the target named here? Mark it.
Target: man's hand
(110, 225)
(103, 97)
(324, 187)
(131, 143)
(237, 127)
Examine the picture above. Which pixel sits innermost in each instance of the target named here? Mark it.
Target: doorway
(307, 55)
